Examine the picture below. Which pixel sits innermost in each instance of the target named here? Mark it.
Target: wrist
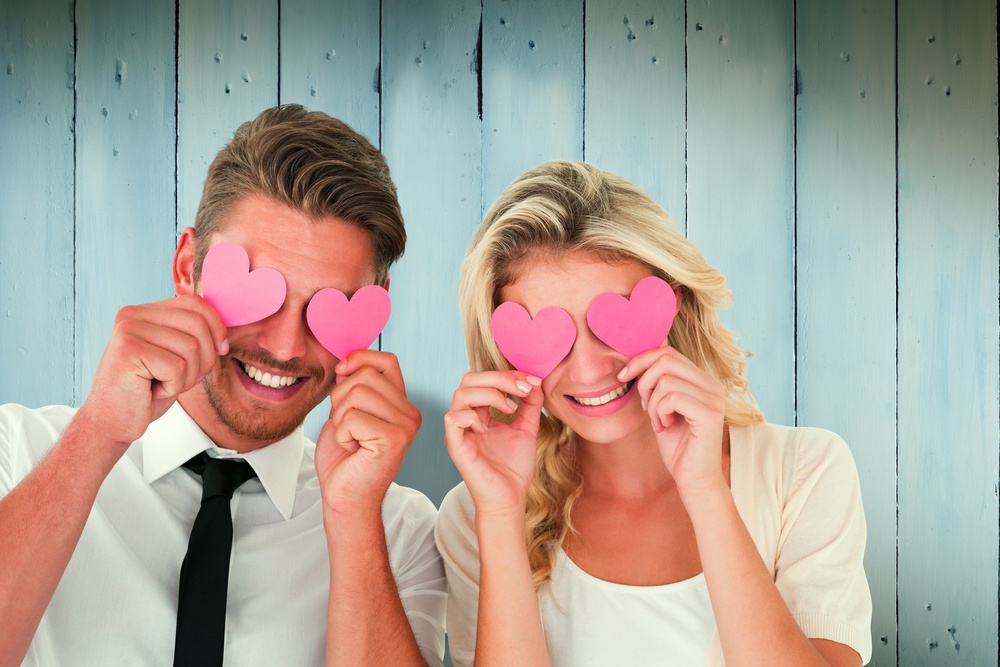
(352, 517)
(506, 525)
(706, 499)
(88, 445)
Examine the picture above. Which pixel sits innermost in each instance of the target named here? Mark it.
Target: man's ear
(184, 282)
(386, 283)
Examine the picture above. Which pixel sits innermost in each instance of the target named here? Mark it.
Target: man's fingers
(374, 394)
(359, 429)
(385, 363)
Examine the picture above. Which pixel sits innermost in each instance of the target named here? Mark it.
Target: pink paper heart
(637, 324)
(534, 346)
(343, 325)
(239, 295)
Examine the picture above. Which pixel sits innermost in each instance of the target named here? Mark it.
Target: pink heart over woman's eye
(536, 345)
(636, 324)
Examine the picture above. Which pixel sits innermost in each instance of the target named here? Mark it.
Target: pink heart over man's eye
(343, 325)
(239, 295)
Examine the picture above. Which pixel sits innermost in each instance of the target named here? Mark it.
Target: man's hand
(371, 426)
(157, 352)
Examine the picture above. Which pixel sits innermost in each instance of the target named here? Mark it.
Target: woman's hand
(496, 458)
(686, 406)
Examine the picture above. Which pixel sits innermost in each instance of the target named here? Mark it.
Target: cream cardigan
(796, 490)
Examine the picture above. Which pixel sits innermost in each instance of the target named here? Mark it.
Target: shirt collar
(174, 438)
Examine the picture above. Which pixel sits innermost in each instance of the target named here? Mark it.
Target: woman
(633, 510)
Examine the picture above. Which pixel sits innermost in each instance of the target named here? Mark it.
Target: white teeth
(601, 400)
(268, 380)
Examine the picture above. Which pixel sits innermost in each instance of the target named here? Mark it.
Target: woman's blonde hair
(573, 206)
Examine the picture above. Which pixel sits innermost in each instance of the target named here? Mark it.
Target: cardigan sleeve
(819, 567)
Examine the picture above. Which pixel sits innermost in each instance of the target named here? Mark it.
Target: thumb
(529, 413)
(329, 452)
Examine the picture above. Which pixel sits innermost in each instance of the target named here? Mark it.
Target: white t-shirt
(796, 490)
(117, 601)
(673, 620)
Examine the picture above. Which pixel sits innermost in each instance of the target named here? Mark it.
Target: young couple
(617, 508)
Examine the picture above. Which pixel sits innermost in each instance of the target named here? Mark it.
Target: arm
(496, 460)
(359, 451)
(155, 353)
(755, 626)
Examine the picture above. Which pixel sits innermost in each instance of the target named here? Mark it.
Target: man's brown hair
(310, 162)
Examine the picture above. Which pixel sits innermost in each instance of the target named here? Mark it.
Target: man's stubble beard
(259, 425)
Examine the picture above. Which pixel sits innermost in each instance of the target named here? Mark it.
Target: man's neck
(196, 404)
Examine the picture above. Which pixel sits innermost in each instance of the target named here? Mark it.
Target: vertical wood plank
(330, 59)
(124, 165)
(740, 178)
(431, 137)
(636, 96)
(845, 257)
(949, 426)
(330, 62)
(532, 90)
(227, 73)
(36, 202)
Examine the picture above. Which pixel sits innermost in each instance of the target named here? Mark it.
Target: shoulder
(458, 512)
(26, 435)
(35, 428)
(404, 506)
(798, 452)
(408, 518)
(53, 418)
(455, 533)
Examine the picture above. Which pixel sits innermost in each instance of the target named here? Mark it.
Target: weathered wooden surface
(837, 161)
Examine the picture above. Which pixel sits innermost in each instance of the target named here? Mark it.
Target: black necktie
(201, 604)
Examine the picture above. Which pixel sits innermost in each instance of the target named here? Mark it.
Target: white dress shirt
(117, 601)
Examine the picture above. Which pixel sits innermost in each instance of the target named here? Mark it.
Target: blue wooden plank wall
(838, 161)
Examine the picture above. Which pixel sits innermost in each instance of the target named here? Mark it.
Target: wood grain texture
(227, 64)
(532, 88)
(636, 97)
(740, 178)
(431, 137)
(36, 203)
(805, 230)
(845, 261)
(330, 60)
(948, 339)
(125, 170)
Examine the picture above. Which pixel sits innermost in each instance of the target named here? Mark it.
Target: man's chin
(257, 429)
(263, 426)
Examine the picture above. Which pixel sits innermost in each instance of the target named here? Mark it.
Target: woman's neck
(631, 468)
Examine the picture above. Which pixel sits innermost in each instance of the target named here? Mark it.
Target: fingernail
(224, 347)
(523, 386)
(537, 381)
(512, 404)
(622, 373)
(643, 404)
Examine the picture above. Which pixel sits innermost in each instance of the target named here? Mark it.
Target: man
(330, 560)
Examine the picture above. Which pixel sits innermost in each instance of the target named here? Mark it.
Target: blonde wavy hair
(565, 206)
